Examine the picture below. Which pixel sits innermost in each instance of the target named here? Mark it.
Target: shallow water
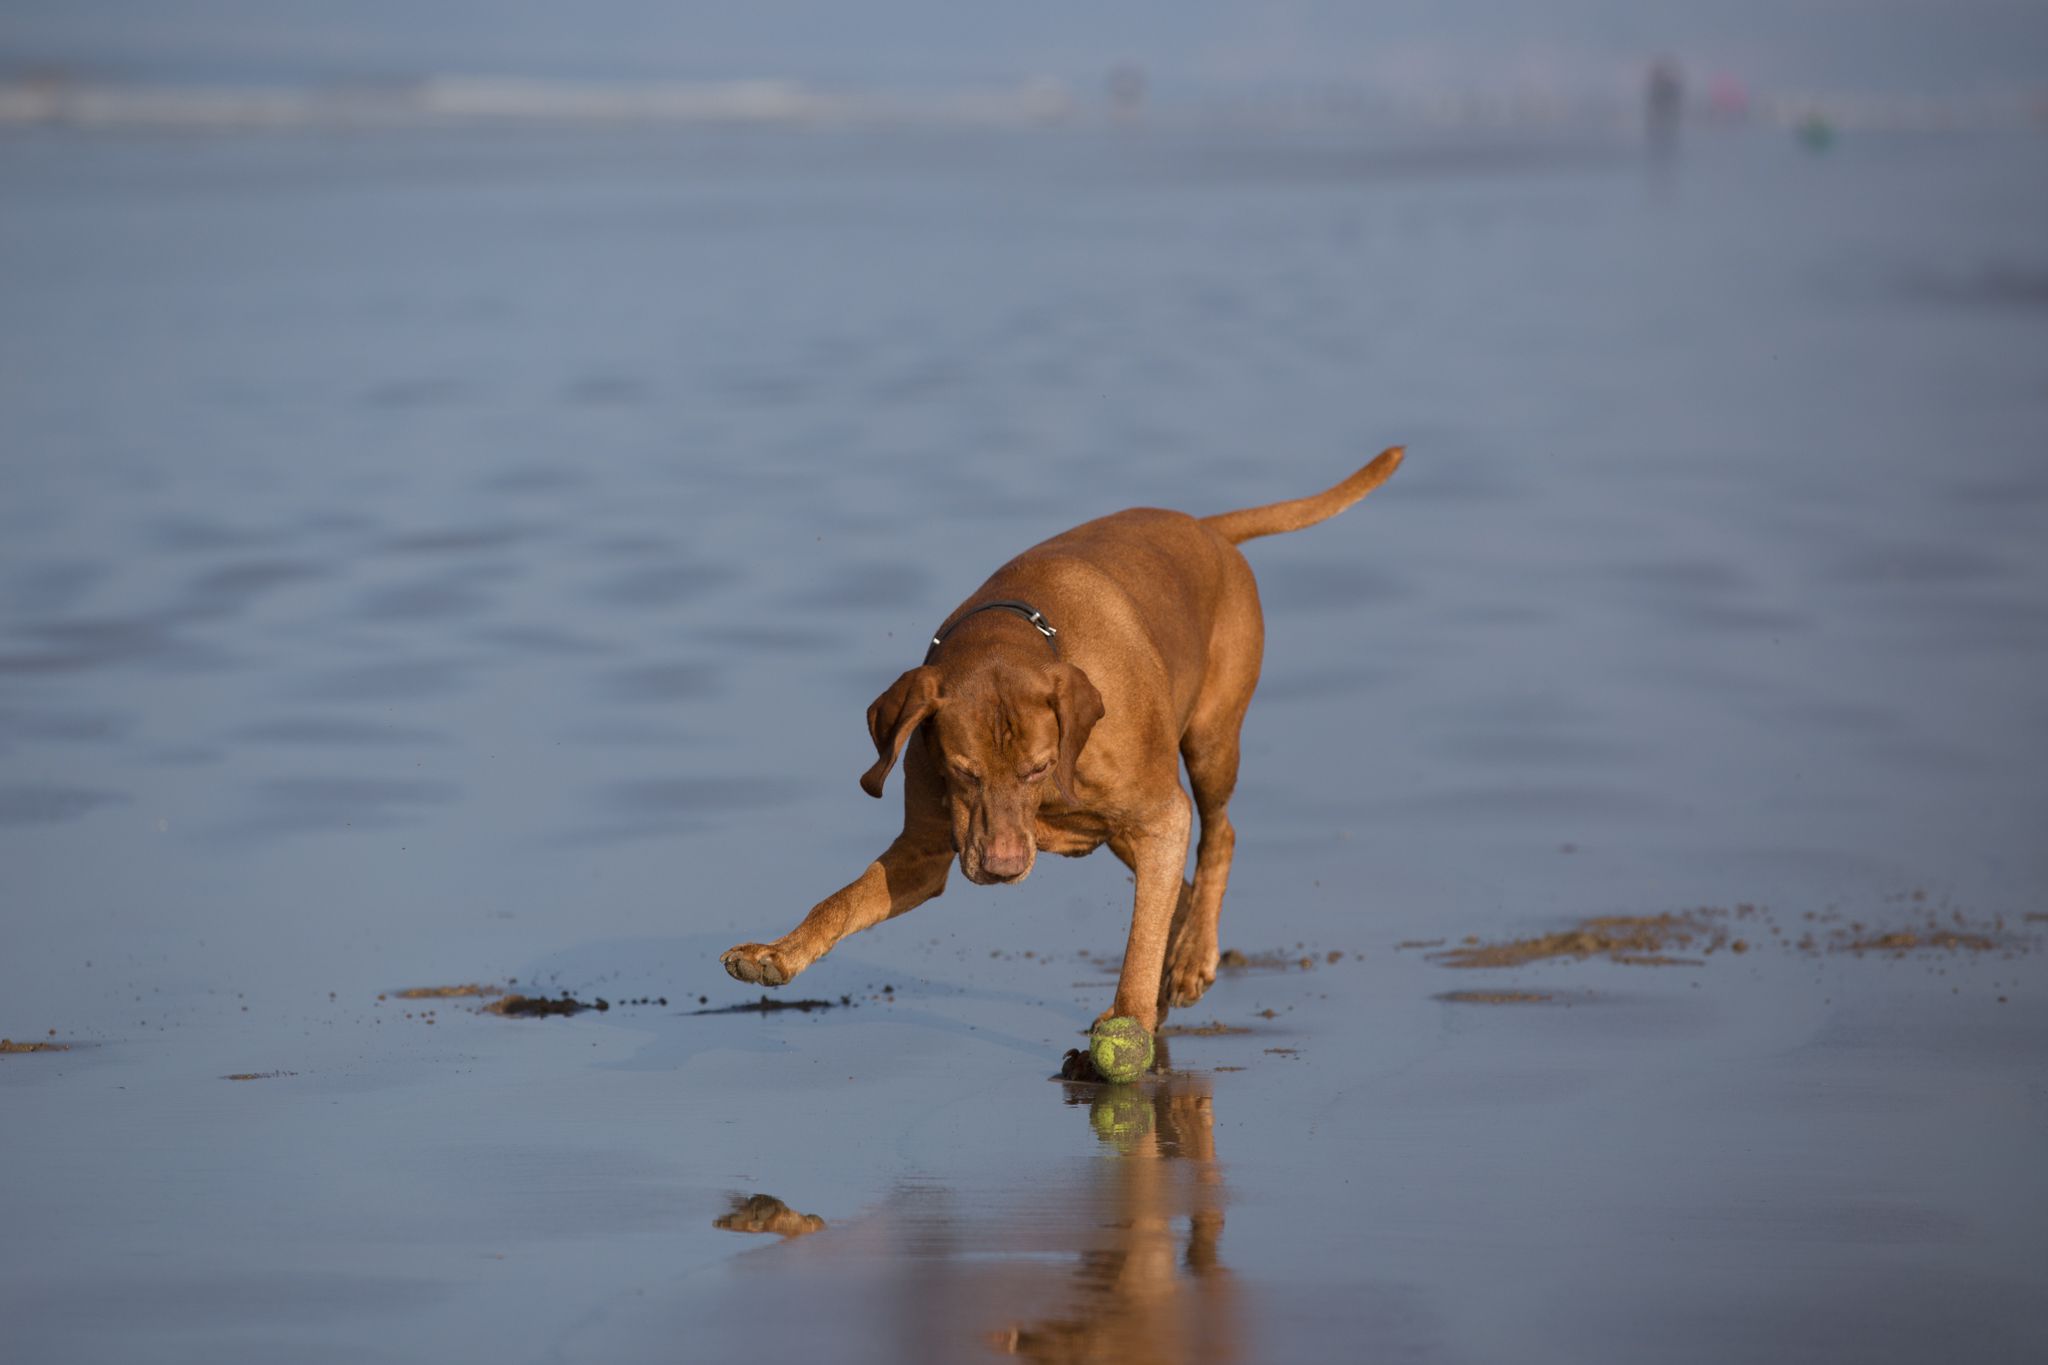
(457, 557)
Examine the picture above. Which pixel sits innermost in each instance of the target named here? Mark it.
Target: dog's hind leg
(1209, 748)
(1192, 951)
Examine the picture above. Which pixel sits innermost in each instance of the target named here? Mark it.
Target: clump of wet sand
(541, 1006)
(1686, 938)
(1904, 941)
(1215, 1028)
(766, 1213)
(1635, 939)
(9, 1045)
(512, 1004)
(1277, 960)
(768, 1004)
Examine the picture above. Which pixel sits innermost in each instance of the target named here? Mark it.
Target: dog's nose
(1006, 856)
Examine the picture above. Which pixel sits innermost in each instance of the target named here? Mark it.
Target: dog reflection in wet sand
(1145, 1296)
(766, 1213)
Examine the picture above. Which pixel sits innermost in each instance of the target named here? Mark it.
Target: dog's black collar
(1023, 609)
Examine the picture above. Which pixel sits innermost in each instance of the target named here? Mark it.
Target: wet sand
(1843, 1148)
(445, 570)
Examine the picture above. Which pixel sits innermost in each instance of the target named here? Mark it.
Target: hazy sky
(1936, 46)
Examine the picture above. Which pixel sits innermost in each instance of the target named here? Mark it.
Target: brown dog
(1053, 712)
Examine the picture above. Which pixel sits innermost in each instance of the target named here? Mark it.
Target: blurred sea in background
(462, 523)
(463, 549)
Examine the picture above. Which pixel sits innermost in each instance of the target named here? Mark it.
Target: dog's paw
(758, 963)
(1188, 974)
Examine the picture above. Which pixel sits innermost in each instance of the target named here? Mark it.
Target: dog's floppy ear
(893, 716)
(1078, 706)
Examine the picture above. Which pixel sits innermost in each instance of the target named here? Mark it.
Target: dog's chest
(1070, 833)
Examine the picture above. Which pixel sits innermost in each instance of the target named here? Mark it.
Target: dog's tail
(1273, 518)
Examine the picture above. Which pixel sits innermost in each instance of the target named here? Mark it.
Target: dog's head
(999, 738)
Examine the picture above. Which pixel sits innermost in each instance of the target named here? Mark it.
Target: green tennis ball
(1120, 1049)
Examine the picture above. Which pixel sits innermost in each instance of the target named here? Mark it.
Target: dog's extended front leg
(1157, 852)
(908, 874)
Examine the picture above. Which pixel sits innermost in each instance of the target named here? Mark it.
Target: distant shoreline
(57, 98)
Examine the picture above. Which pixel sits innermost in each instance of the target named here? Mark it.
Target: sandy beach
(443, 568)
